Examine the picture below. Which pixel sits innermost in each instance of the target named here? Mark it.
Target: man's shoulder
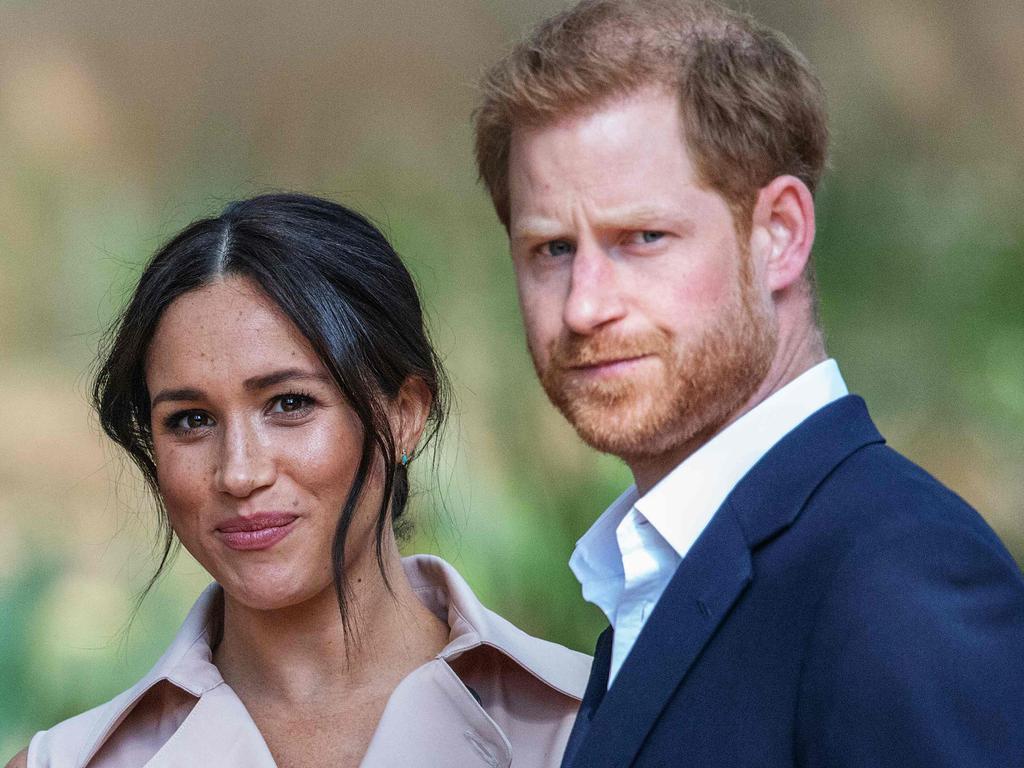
(888, 529)
(879, 473)
(878, 523)
(918, 598)
(878, 491)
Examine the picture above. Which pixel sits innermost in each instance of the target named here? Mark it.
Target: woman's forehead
(227, 330)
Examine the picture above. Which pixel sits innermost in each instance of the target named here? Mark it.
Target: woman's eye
(291, 403)
(190, 421)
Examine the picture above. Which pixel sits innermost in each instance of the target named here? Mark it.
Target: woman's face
(255, 447)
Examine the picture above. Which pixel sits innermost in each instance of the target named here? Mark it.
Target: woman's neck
(301, 654)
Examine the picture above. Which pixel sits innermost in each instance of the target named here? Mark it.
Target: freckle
(295, 503)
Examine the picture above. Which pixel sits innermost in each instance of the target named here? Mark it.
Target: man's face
(646, 318)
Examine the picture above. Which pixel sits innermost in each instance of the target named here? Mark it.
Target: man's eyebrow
(536, 228)
(254, 384)
(539, 228)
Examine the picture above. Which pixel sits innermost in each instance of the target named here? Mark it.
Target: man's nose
(595, 294)
(245, 462)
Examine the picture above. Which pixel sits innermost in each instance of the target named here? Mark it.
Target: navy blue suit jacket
(842, 608)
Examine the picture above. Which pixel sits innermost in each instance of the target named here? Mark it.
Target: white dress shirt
(628, 556)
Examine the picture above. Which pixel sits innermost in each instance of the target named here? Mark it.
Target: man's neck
(796, 354)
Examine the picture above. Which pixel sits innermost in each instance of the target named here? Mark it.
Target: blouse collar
(188, 662)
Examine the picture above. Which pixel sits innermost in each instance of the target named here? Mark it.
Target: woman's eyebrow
(184, 394)
(253, 384)
(257, 383)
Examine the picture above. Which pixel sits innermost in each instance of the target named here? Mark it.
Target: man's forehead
(635, 142)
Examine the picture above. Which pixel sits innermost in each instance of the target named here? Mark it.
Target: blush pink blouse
(493, 694)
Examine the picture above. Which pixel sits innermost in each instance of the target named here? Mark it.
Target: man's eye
(189, 421)
(291, 403)
(648, 236)
(557, 248)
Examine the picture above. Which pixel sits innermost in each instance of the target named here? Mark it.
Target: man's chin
(644, 429)
(622, 429)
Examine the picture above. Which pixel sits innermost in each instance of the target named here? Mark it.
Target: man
(782, 588)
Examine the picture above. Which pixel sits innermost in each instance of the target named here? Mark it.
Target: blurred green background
(121, 122)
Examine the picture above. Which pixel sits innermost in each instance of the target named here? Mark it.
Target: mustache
(575, 351)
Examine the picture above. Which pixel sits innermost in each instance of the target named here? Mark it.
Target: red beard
(678, 394)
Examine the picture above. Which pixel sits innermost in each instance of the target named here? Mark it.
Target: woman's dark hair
(339, 281)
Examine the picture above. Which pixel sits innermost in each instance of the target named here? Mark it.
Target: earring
(405, 459)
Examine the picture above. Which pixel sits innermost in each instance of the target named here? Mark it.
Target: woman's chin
(273, 594)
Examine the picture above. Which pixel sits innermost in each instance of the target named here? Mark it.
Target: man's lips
(259, 531)
(608, 366)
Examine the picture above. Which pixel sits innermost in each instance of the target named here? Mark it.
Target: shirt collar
(188, 661)
(188, 664)
(442, 589)
(684, 501)
(596, 561)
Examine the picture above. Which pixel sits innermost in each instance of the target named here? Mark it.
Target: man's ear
(409, 413)
(782, 231)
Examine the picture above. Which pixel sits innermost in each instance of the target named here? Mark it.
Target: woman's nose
(245, 463)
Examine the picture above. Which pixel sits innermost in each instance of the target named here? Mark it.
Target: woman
(272, 379)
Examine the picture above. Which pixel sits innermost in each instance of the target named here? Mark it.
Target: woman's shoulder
(66, 742)
(164, 694)
(127, 730)
(20, 760)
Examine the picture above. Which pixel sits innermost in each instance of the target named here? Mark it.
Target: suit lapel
(709, 580)
(597, 685)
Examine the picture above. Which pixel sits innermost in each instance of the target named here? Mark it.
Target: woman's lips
(257, 531)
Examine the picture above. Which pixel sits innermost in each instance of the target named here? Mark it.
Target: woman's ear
(783, 231)
(409, 415)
